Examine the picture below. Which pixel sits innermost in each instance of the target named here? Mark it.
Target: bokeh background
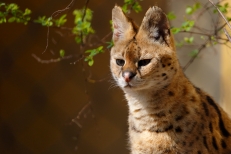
(38, 101)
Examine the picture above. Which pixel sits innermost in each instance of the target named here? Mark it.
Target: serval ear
(155, 27)
(123, 28)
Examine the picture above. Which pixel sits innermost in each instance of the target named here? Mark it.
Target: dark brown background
(38, 101)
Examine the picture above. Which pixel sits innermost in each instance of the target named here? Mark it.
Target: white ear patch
(122, 28)
(117, 30)
(154, 33)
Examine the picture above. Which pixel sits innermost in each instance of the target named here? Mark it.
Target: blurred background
(39, 101)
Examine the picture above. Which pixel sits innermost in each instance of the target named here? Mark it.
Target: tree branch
(55, 14)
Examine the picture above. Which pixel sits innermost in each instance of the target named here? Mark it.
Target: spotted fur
(167, 113)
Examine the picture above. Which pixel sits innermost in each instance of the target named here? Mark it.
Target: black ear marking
(156, 25)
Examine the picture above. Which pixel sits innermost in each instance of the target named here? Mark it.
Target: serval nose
(128, 75)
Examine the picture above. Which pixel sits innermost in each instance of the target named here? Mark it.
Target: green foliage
(110, 44)
(44, 21)
(171, 16)
(62, 53)
(131, 5)
(82, 24)
(175, 30)
(186, 26)
(229, 18)
(61, 21)
(189, 40)
(191, 9)
(194, 53)
(92, 53)
(11, 13)
(48, 21)
(180, 44)
(223, 8)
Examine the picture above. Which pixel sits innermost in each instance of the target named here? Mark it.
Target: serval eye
(144, 62)
(120, 62)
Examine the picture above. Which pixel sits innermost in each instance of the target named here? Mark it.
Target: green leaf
(82, 25)
(194, 53)
(91, 62)
(229, 18)
(92, 53)
(125, 8)
(110, 44)
(187, 25)
(202, 37)
(11, 19)
(62, 53)
(189, 40)
(189, 10)
(137, 7)
(133, 4)
(27, 12)
(61, 21)
(175, 30)
(2, 4)
(171, 16)
(197, 6)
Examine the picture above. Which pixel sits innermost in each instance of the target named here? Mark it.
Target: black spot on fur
(170, 93)
(171, 68)
(169, 128)
(223, 130)
(169, 64)
(198, 152)
(167, 151)
(198, 90)
(205, 107)
(214, 142)
(183, 143)
(178, 129)
(191, 143)
(185, 110)
(160, 114)
(158, 130)
(223, 144)
(202, 126)
(163, 74)
(211, 127)
(163, 65)
(179, 117)
(205, 142)
(193, 99)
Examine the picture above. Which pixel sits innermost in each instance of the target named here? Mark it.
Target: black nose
(128, 75)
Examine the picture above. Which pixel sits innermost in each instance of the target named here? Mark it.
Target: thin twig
(42, 61)
(227, 34)
(82, 45)
(193, 58)
(55, 14)
(209, 35)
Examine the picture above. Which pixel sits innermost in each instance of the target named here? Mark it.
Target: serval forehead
(132, 49)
